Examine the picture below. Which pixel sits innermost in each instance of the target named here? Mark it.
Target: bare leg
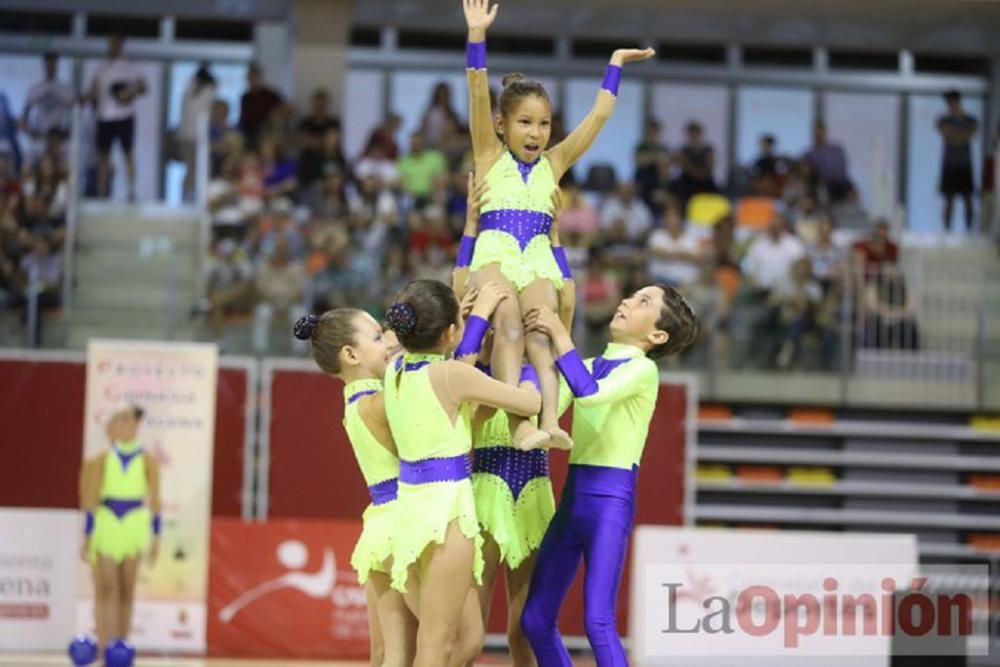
(393, 626)
(518, 582)
(130, 171)
(471, 632)
(106, 596)
(104, 175)
(128, 571)
(969, 211)
(537, 294)
(949, 200)
(444, 581)
(508, 351)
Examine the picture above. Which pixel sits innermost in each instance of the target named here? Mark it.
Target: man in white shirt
(673, 255)
(772, 255)
(113, 90)
(49, 106)
(624, 205)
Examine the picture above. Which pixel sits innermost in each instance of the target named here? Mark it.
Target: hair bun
(305, 326)
(401, 318)
(511, 78)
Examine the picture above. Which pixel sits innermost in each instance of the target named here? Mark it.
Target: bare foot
(559, 439)
(528, 436)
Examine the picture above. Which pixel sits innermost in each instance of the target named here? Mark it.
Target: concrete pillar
(322, 34)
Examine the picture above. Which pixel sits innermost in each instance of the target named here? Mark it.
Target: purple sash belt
(601, 481)
(522, 224)
(121, 507)
(514, 466)
(427, 471)
(384, 492)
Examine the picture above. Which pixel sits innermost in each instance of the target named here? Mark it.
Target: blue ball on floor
(82, 650)
(119, 653)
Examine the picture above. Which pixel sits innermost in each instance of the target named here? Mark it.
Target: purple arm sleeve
(612, 77)
(528, 374)
(563, 263)
(157, 524)
(472, 339)
(579, 379)
(465, 248)
(88, 524)
(475, 55)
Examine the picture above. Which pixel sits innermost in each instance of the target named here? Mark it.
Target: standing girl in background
(513, 245)
(349, 344)
(120, 496)
(437, 546)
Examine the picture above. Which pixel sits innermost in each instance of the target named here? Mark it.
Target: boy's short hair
(677, 318)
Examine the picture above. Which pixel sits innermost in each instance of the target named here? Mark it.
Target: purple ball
(82, 650)
(118, 653)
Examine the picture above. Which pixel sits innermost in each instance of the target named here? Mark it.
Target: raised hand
(468, 301)
(479, 16)
(490, 296)
(622, 56)
(543, 320)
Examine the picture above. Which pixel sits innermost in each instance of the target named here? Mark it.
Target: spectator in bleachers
(829, 260)
(10, 187)
(48, 107)
(45, 198)
(652, 168)
(222, 137)
(875, 251)
(229, 285)
(957, 129)
(797, 297)
(827, 163)
(456, 145)
(439, 112)
(374, 200)
(771, 255)
(673, 255)
(116, 85)
(280, 288)
(9, 144)
(624, 254)
(697, 162)
(890, 321)
(625, 206)
(577, 215)
(710, 302)
(280, 172)
(383, 139)
(376, 164)
(421, 169)
(319, 140)
(256, 105)
(768, 168)
(199, 97)
(329, 201)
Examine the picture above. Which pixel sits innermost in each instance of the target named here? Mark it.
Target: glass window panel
(617, 141)
(786, 113)
(363, 108)
(410, 97)
(676, 104)
(867, 126)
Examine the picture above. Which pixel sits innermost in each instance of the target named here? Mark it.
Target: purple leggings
(593, 522)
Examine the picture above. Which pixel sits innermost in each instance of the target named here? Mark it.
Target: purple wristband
(88, 523)
(475, 55)
(579, 379)
(472, 339)
(465, 249)
(612, 77)
(562, 262)
(528, 374)
(157, 525)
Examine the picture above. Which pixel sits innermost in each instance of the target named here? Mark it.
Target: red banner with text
(285, 588)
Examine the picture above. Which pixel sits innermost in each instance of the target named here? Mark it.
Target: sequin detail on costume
(513, 466)
(522, 224)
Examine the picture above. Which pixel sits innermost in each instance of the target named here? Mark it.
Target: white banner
(38, 566)
(716, 598)
(175, 384)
